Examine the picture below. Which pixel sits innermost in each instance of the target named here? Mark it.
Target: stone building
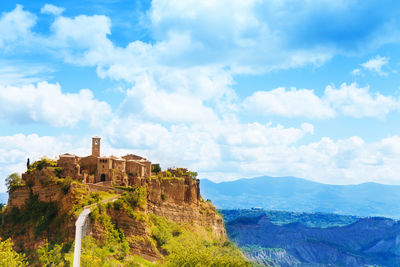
(108, 170)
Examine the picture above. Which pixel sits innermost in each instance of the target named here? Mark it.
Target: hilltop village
(134, 206)
(121, 171)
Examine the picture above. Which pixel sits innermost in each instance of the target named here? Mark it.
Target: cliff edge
(145, 219)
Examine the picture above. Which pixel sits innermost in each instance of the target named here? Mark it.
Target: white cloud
(376, 64)
(181, 108)
(52, 10)
(19, 73)
(16, 149)
(288, 103)
(349, 100)
(357, 102)
(147, 100)
(254, 149)
(356, 72)
(240, 150)
(15, 27)
(83, 39)
(46, 103)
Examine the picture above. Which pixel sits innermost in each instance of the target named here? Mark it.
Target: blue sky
(230, 89)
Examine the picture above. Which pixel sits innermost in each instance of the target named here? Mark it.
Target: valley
(313, 239)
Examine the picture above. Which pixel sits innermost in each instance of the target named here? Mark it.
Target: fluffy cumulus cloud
(349, 100)
(180, 107)
(16, 149)
(46, 103)
(52, 10)
(376, 64)
(289, 103)
(15, 27)
(357, 102)
(206, 147)
(242, 36)
(235, 149)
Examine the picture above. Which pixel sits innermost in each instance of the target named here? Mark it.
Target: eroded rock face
(176, 199)
(179, 200)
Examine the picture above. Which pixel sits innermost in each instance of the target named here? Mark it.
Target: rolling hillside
(369, 241)
(295, 194)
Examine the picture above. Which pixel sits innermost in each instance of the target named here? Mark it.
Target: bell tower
(96, 146)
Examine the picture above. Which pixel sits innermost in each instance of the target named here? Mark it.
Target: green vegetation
(189, 250)
(156, 168)
(58, 171)
(186, 245)
(52, 255)
(174, 243)
(84, 198)
(14, 181)
(317, 219)
(163, 230)
(113, 249)
(41, 164)
(65, 184)
(9, 257)
(131, 201)
(36, 213)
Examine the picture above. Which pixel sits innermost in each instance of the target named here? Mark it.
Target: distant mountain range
(372, 241)
(295, 194)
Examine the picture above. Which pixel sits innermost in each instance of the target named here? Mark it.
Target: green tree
(156, 168)
(9, 257)
(50, 256)
(190, 250)
(13, 181)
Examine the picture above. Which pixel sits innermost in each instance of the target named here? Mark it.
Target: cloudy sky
(230, 89)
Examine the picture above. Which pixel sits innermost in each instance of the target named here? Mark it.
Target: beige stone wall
(134, 168)
(88, 164)
(104, 168)
(70, 166)
(119, 165)
(147, 168)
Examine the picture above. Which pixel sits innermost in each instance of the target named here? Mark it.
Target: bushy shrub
(9, 257)
(41, 164)
(156, 168)
(66, 184)
(14, 181)
(163, 230)
(118, 204)
(58, 171)
(136, 198)
(190, 250)
(180, 172)
(51, 255)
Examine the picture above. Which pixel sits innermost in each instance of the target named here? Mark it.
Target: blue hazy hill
(295, 194)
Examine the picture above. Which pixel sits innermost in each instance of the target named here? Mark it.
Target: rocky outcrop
(179, 200)
(176, 199)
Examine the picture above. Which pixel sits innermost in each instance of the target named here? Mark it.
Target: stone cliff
(177, 200)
